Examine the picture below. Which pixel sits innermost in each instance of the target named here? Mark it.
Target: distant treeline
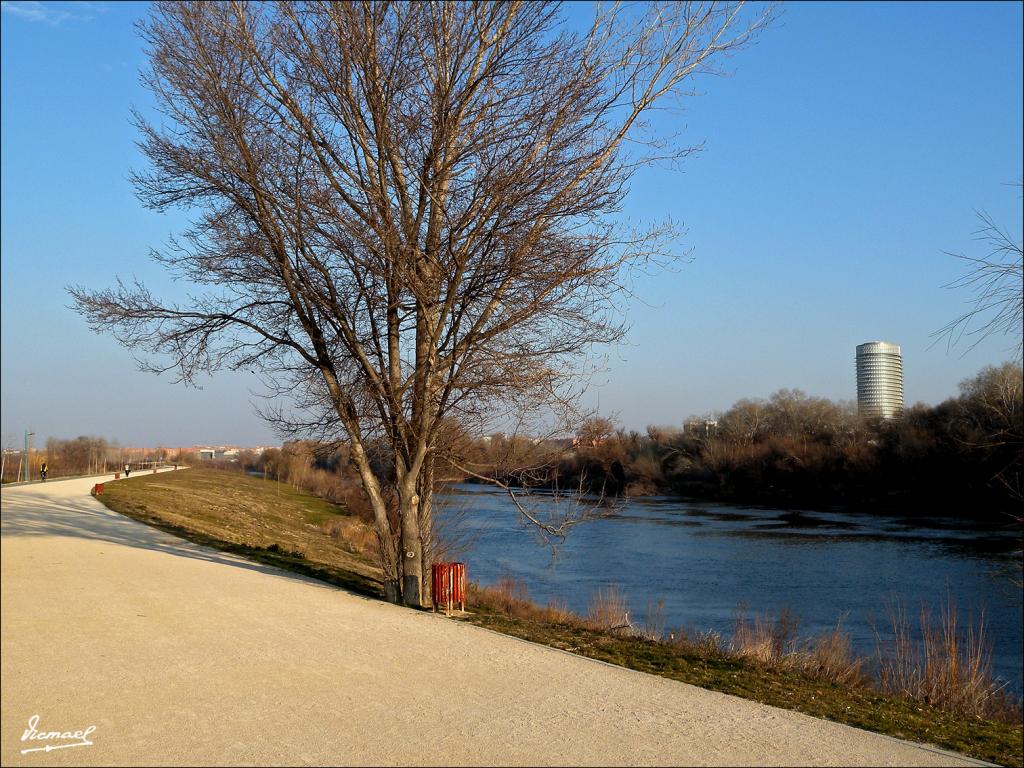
(963, 456)
(82, 455)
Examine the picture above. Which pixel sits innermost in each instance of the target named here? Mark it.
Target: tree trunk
(387, 555)
(411, 548)
(426, 489)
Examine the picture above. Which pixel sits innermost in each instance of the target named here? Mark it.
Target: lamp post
(28, 458)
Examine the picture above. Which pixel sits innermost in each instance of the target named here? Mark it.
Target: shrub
(765, 639)
(948, 666)
(360, 537)
(608, 609)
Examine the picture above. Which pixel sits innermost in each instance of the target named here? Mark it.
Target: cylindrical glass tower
(879, 380)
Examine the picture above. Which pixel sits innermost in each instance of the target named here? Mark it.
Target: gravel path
(180, 655)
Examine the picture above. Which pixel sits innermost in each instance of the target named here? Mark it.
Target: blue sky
(846, 151)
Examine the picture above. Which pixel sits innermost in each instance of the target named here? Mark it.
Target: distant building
(701, 427)
(223, 452)
(879, 380)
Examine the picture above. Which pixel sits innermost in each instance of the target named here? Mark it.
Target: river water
(707, 559)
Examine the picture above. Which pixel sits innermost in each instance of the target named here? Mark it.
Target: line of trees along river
(963, 456)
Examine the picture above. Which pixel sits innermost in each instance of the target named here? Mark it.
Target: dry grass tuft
(764, 639)
(700, 643)
(775, 643)
(830, 657)
(509, 596)
(654, 620)
(948, 665)
(360, 537)
(608, 609)
(559, 612)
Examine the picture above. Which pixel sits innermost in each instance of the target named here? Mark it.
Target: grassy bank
(256, 518)
(272, 523)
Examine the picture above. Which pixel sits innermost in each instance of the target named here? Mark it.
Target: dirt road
(177, 654)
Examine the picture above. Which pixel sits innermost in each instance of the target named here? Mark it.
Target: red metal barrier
(449, 585)
(117, 475)
(97, 489)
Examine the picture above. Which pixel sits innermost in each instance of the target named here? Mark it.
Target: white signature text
(32, 733)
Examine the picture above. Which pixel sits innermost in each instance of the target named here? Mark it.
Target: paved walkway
(180, 655)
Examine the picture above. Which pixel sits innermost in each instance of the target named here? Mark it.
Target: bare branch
(997, 284)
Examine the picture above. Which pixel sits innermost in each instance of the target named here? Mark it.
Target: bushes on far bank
(963, 457)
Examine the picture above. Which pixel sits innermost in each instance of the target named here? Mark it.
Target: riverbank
(264, 520)
(707, 662)
(904, 502)
(172, 653)
(708, 559)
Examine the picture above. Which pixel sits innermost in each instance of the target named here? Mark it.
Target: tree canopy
(404, 213)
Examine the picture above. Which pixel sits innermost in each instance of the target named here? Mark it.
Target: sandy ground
(182, 655)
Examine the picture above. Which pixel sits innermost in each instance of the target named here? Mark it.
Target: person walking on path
(127, 470)
(42, 471)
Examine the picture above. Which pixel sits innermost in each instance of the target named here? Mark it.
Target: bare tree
(991, 406)
(992, 401)
(997, 282)
(404, 212)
